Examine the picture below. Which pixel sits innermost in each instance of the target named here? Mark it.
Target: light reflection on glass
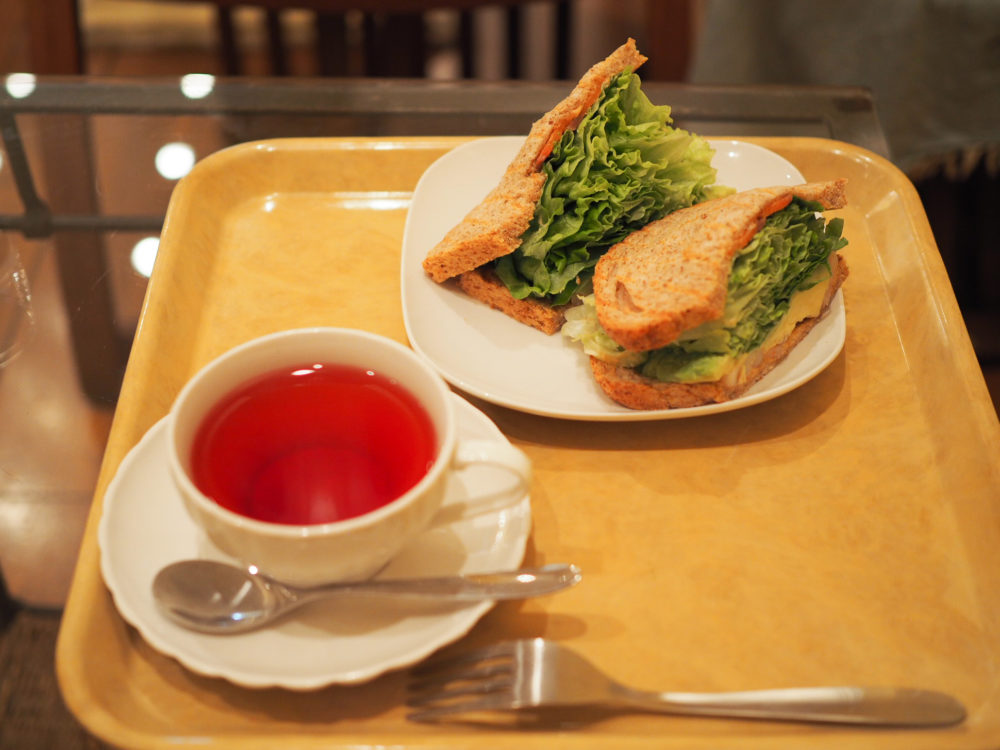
(144, 254)
(197, 85)
(174, 160)
(20, 85)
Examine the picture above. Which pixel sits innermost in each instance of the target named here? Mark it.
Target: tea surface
(313, 444)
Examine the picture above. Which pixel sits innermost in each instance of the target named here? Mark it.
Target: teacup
(316, 454)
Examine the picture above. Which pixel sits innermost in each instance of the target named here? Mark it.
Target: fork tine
(445, 663)
(458, 690)
(459, 674)
(490, 703)
(475, 680)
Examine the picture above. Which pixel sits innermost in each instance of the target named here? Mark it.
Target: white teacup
(308, 552)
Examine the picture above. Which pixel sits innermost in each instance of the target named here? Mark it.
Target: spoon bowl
(216, 597)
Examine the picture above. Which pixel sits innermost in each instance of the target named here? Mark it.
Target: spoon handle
(513, 584)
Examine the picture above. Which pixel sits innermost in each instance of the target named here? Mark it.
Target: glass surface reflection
(20, 85)
(197, 85)
(143, 255)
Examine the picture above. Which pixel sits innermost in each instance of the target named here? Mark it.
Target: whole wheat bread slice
(673, 274)
(494, 227)
(628, 388)
(484, 285)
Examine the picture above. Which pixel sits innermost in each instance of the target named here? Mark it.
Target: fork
(536, 673)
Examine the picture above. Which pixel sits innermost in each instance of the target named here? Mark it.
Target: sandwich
(696, 307)
(601, 164)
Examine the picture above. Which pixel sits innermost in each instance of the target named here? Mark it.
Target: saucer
(144, 526)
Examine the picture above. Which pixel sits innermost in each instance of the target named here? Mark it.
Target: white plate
(492, 356)
(144, 526)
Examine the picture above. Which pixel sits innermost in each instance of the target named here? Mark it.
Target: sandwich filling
(776, 281)
(623, 166)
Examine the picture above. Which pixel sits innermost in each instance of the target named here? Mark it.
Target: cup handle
(472, 453)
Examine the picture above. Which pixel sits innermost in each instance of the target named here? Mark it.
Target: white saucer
(144, 526)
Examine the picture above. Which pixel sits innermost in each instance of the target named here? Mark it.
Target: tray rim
(88, 583)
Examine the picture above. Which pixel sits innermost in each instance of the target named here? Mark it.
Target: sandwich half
(698, 306)
(602, 163)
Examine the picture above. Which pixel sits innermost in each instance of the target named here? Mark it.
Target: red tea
(313, 444)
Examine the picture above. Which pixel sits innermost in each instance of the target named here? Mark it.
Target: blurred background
(934, 68)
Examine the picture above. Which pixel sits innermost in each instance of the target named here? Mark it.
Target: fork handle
(870, 706)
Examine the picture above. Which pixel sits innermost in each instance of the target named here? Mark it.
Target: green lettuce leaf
(789, 254)
(622, 167)
(583, 326)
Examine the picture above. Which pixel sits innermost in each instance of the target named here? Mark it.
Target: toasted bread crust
(484, 285)
(673, 274)
(628, 388)
(494, 227)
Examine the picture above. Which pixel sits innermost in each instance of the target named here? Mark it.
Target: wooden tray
(848, 532)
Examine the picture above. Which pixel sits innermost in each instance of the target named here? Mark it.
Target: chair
(390, 37)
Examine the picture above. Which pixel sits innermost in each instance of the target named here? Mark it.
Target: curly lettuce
(789, 254)
(622, 167)
(583, 326)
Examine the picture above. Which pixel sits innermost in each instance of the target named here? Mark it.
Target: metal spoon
(216, 597)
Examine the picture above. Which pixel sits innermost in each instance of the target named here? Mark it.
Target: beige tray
(848, 532)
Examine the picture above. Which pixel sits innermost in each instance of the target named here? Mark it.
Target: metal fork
(536, 673)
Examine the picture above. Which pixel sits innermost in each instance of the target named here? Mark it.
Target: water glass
(16, 316)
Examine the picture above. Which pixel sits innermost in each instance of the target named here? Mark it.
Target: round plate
(492, 356)
(144, 526)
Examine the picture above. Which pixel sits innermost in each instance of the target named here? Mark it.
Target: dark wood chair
(394, 33)
(394, 38)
